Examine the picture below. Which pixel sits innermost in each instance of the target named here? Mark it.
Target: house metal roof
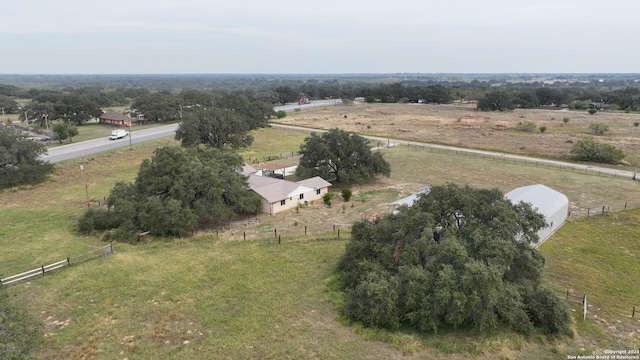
(274, 190)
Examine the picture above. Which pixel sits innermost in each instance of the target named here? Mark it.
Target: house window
(318, 192)
(282, 202)
(301, 196)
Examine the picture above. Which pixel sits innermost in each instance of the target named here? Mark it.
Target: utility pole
(86, 184)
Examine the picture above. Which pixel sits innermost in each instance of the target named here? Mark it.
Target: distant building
(114, 119)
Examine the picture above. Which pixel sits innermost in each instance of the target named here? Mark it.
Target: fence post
(305, 229)
(42, 270)
(584, 302)
(567, 294)
(68, 262)
(625, 205)
(278, 239)
(603, 209)
(275, 232)
(633, 313)
(111, 247)
(334, 227)
(588, 212)
(244, 235)
(338, 234)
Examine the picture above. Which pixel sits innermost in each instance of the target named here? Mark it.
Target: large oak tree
(341, 155)
(459, 257)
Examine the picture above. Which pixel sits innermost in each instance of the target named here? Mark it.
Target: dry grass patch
(461, 125)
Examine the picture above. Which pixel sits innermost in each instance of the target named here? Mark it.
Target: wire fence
(102, 252)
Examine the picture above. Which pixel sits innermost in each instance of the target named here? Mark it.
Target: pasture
(220, 296)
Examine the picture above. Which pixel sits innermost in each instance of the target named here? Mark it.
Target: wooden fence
(102, 252)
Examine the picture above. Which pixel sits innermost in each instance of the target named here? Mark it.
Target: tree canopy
(342, 155)
(459, 257)
(176, 191)
(19, 163)
(496, 100)
(217, 128)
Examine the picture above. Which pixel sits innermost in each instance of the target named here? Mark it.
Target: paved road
(84, 148)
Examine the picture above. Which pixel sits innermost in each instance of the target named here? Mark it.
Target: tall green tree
(63, 131)
(497, 100)
(76, 109)
(158, 106)
(8, 105)
(176, 191)
(459, 257)
(213, 127)
(19, 162)
(41, 113)
(342, 155)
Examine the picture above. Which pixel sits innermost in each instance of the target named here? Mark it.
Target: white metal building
(548, 202)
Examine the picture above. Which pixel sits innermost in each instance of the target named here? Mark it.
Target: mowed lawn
(208, 297)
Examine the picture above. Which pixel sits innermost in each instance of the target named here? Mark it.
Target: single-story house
(110, 118)
(552, 204)
(279, 195)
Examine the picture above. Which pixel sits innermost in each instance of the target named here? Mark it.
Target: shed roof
(545, 199)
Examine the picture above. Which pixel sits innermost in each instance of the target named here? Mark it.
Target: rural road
(66, 152)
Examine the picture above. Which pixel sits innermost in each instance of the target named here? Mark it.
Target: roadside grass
(220, 297)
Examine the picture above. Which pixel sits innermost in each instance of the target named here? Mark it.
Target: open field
(221, 297)
(460, 125)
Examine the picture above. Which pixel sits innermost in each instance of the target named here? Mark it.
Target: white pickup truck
(118, 134)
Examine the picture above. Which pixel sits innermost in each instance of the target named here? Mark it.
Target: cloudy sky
(323, 37)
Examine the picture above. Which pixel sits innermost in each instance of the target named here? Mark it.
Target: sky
(323, 37)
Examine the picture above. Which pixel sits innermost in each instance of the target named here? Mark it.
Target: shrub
(550, 314)
(565, 120)
(327, 198)
(592, 111)
(281, 114)
(542, 129)
(526, 126)
(374, 302)
(346, 194)
(636, 124)
(589, 150)
(598, 128)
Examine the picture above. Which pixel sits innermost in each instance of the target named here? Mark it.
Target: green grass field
(211, 297)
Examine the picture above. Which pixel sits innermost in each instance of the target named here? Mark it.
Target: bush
(346, 194)
(592, 111)
(598, 128)
(549, 314)
(636, 124)
(589, 150)
(374, 302)
(565, 120)
(280, 114)
(327, 198)
(542, 129)
(526, 126)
